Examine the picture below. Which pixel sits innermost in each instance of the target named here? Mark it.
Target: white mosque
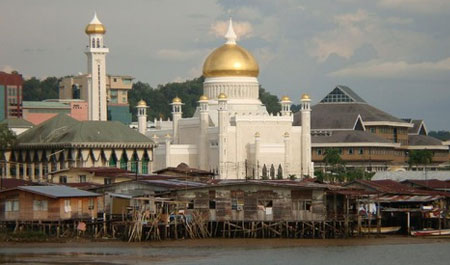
(231, 132)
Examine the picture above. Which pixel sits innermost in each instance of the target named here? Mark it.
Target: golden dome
(230, 60)
(305, 97)
(285, 98)
(176, 100)
(95, 29)
(222, 96)
(203, 97)
(142, 103)
(95, 26)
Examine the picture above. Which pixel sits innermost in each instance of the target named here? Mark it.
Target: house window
(319, 152)
(361, 151)
(63, 179)
(350, 151)
(340, 151)
(302, 205)
(67, 206)
(190, 205)
(12, 206)
(212, 204)
(82, 178)
(372, 130)
(107, 181)
(40, 205)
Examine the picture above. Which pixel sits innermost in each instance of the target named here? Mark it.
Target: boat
(374, 230)
(431, 232)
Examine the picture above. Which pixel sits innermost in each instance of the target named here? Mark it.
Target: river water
(398, 254)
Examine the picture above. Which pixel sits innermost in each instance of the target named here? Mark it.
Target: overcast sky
(394, 53)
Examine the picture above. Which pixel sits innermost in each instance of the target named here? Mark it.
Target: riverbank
(226, 243)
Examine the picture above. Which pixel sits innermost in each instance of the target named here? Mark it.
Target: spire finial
(230, 35)
(95, 20)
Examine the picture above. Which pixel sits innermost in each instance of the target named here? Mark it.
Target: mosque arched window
(98, 43)
(93, 43)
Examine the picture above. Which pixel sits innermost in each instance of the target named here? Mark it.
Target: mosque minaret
(96, 53)
(231, 132)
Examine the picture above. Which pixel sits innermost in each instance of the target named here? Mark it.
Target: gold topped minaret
(96, 53)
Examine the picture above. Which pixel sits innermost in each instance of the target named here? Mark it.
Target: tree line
(158, 98)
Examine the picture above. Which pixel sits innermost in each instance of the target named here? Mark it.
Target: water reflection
(413, 254)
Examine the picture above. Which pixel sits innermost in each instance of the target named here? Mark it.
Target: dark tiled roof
(423, 140)
(64, 129)
(349, 137)
(416, 127)
(343, 115)
(13, 183)
(183, 168)
(351, 93)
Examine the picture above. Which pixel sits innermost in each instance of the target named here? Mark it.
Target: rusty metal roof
(431, 183)
(408, 198)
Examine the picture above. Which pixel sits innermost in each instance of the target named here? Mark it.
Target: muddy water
(398, 254)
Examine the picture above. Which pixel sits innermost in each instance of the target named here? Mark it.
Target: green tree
(333, 159)
(7, 137)
(420, 157)
(271, 102)
(441, 135)
(37, 90)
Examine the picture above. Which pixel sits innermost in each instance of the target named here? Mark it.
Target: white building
(231, 132)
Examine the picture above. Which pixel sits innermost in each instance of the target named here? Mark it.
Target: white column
(176, 115)
(203, 139)
(286, 154)
(306, 135)
(168, 162)
(257, 155)
(142, 117)
(223, 129)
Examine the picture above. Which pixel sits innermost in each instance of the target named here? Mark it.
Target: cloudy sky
(393, 53)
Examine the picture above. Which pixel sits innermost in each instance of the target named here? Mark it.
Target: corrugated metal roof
(44, 105)
(174, 183)
(430, 183)
(58, 191)
(407, 198)
(404, 175)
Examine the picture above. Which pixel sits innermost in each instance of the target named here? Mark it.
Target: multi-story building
(37, 112)
(10, 95)
(117, 88)
(106, 95)
(365, 136)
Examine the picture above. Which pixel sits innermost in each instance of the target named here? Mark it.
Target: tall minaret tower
(203, 143)
(176, 116)
(305, 110)
(142, 116)
(223, 130)
(96, 54)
